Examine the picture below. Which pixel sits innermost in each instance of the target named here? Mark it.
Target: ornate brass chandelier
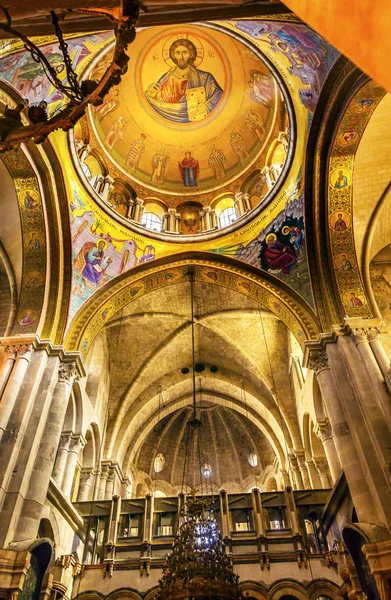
(78, 94)
(198, 567)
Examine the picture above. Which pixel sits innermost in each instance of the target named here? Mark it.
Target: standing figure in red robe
(190, 169)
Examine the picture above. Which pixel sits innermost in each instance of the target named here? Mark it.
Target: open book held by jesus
(196, 98)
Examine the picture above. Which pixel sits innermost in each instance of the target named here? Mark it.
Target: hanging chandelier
(78, 95)
(198, 567)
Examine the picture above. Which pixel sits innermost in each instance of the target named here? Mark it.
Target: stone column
(246, 202)
(373, 336)
(202, 220)
(285, 478)
(11, 353)
(107, 186)
(364, 494)
(98, 183)
(322, 467)
(214, 218)
(325, 434)
(129, 208)
(267, 178)
(109, 492)
(165, 221)
(239, 206)
(207, 221)
(224, 515)
(360, 339)
(62, 455)
(104, 473)
(84, 152)
(77, 443)
(85, 485)
(138, 212)
(15, 379)
(257, 512)
(43, 466)
(298, 480)
(314, 475)
(303, 469)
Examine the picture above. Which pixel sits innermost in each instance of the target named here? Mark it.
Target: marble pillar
(109, 492)
(34, 501)
(107, 186)
(303, 469)
(323, 470)
(138, 210)
(298, 480)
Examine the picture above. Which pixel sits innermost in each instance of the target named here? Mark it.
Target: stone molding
(37, 343)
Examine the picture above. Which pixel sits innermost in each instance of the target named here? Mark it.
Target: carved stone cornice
(67, 373)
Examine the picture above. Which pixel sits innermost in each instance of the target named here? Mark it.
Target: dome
(198, 114)
(222, 455)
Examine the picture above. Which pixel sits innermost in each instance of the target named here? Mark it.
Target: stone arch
(345, 89)
(45, 289)
(253, 589)
(271, 484)
(123, 594)
(224, 271)
(327, 589)
(287, 589)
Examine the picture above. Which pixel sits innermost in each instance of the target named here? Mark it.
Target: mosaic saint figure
(279, 256)
(238, 146)
(159, 163)
(342, 181)
(189, 168)
(34, 242)
(109, 104)
(92, 261)
(346, 265)
(116, 131)
(340, 224)
(255, 123)
(217, 161)
(184, 93)
(354, 301)
(261, 88)
(29, 201)
(137, 147)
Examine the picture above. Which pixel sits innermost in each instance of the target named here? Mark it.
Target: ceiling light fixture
(79, 95)
(198, 567)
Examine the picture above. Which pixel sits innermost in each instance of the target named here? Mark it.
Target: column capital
(359, 335)
(65, 439)
(77, 443)
(317, 361)
(322, 465)
(67, 373)
(373, 334)
(323, 430)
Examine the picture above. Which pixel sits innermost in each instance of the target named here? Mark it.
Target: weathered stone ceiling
(150, 343)
(226, 439)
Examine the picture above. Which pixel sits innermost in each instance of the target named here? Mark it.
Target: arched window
(86, 170)
(228, 216)
(152, 221)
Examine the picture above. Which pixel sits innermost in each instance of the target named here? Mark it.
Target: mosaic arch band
(184, 94)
